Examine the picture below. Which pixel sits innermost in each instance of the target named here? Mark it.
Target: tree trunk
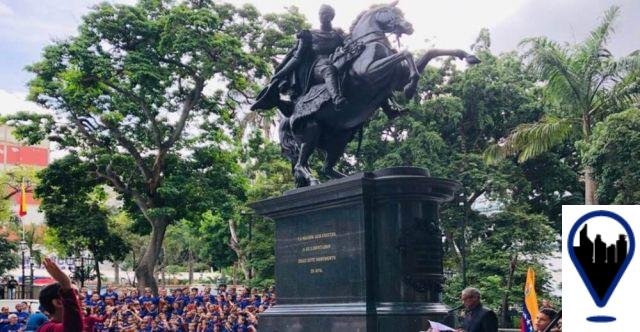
(505, 298)
(463, 245)
(96, 265)
(116, 273)
(590, 186)
(234, 244)
(589, 182)
(190, 267)
(147, 264)
(233, 273)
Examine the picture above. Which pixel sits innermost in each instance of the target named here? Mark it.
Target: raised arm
(72, 316)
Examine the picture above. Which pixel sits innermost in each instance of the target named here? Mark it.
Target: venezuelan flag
(23, 200)
(530, 304)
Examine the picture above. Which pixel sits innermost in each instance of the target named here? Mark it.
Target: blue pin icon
(599, 264)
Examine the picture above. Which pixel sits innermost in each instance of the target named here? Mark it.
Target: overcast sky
(28, 25)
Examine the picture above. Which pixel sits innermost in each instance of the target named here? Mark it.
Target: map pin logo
(600, 264)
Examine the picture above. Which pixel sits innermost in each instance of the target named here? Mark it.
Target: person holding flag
(530, 305)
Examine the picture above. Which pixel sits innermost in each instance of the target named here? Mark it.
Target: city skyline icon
(601, 264)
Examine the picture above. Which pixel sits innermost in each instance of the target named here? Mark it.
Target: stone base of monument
(362, 253)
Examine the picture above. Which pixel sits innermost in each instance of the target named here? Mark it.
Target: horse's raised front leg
(378, 72)
(301, 171)
(414, 76)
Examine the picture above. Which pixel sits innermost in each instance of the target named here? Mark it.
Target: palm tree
(583, 83)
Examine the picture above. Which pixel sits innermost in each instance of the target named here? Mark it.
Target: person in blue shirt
(244, 303)
(222, 289)
(177, 309)
(12, 325)
(121, 299)
(22, 311)
(110, 292)
(134, 295)
(232, 295)
(241, 325)
(148, 297)
(35, 320)
(245, 293)
(164, 297)
(4, 317)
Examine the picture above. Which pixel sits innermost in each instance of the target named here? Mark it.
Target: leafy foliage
(145, 95)
(613, 153)
(502, 220)
(583, 83)
(8, 258)
(75, 211)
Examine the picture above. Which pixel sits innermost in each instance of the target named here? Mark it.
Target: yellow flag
(530, 310)
(23, 200)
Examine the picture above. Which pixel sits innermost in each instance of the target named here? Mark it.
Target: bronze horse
(369, 81)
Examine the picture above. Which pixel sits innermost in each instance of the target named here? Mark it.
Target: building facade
(13, 154)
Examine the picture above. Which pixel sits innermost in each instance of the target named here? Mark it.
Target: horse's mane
(355, 22)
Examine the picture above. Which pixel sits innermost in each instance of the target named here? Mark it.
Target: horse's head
(382, 18)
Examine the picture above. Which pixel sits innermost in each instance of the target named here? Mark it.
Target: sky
(26, 26)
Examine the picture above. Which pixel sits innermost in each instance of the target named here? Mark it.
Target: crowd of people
(181, 309)
(190, 309)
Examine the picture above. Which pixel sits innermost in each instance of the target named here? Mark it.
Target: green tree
(613, 152)
(501, 248)
(126, 89)
(74, 207)
(270, 176)
(8, 258)
(583, 84)
(454, 118)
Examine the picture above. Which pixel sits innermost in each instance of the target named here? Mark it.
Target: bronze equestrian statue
(336, 82)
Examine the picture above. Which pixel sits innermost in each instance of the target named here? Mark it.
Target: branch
(157, 134)
(189, 69)
(80, 125)
(475, 196)
(133, 151)
(15, 191)
(234, 243)
(187, 106)
(123, 188)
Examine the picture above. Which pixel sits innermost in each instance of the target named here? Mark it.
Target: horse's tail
(290, 148)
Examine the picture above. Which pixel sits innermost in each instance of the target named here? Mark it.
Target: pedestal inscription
(324, 249)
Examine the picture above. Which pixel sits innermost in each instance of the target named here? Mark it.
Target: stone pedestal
(363, 253)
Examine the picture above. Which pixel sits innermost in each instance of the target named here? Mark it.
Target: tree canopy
(583, 83)
(145, 95)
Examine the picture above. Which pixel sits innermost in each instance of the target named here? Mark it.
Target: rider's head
(327, 13)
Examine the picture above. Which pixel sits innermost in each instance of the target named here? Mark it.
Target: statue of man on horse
(336, 82)
(307, 63)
